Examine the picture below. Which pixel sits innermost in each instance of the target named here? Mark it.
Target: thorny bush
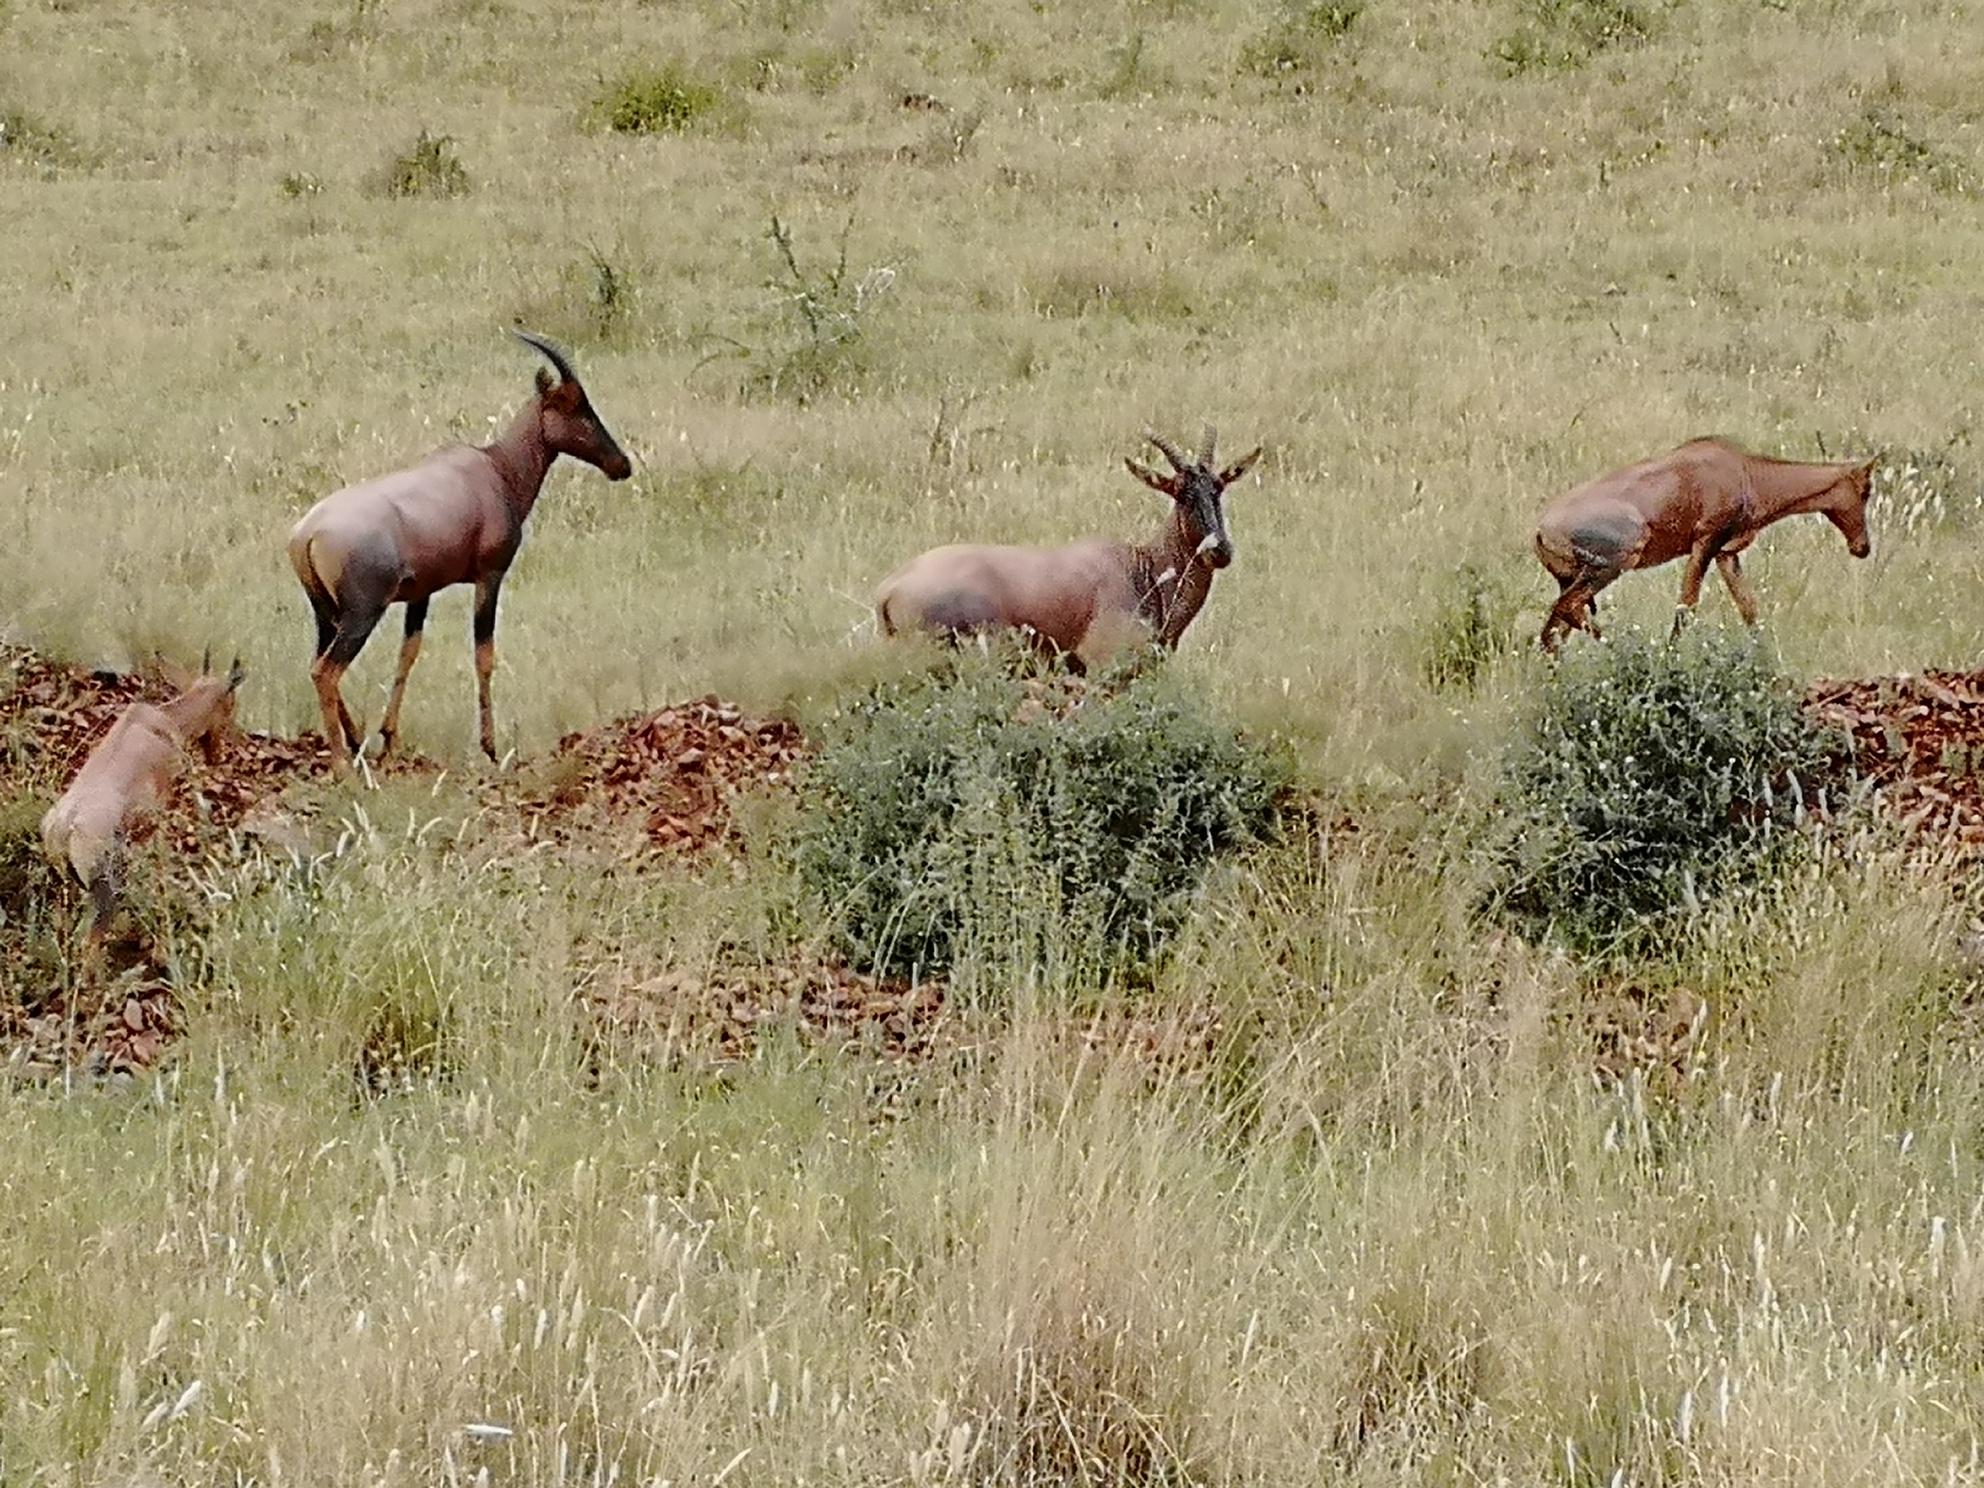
(951, 810)
(1649, 777)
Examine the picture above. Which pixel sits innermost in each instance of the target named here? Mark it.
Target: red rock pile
(663, 781)
(1920, 742)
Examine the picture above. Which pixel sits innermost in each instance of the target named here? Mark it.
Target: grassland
(1444, 260)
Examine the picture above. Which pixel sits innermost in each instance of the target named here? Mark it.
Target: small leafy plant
(1567, 34)
(663, 100)
(815, 332)
(1471, 627)
(429, 168)
(961, 808)
(1649, 777)
(1879, 144)
(1301, 35)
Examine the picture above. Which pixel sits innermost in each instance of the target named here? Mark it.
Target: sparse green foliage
(1569, 33)
(1301, 35)
(661, 100)
(814, 337)
(26, 138)
(1472, 624)
(1650, 777)
(948, 810)
(429, 168)
(299, 184)
(1879, 144)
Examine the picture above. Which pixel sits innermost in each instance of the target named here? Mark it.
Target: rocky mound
(1920, 742)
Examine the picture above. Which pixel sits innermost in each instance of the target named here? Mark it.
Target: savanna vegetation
(1545, 1072)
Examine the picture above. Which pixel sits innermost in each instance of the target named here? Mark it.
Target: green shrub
(955, 810)
(1569, 33)
(1649, 777)
(430, 168)
(663, 100)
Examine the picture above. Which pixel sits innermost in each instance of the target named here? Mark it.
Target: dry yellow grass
(1395, 1233)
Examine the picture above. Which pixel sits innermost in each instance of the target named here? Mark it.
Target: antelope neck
(1783, 488)
(1169, 603)
(521, 458)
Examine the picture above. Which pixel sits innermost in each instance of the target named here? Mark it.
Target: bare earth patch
(634, 791)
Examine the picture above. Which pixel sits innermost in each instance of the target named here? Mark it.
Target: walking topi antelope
(85, 831)
(1082, 600)
(1706, 500)
(455, 518)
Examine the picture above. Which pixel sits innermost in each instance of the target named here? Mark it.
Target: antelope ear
(1167, 484)
(545, 381)
(171, 673)
(1239, 467)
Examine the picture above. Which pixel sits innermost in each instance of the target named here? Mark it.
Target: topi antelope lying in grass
(1708, 500)
(130, 769)
(455, 518)
(1082, 600)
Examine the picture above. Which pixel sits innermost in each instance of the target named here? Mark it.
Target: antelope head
(1848, 510)
(1198, 488)
(570, 425)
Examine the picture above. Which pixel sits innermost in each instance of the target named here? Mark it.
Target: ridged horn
(1180, 461)
(551, 353)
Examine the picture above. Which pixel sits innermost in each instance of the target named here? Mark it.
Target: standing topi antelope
(1081, 599)
(455, 518)
(85, 831)
(1707, 500)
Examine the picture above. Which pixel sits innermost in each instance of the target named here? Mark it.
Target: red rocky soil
(633, 791)
(1920, 742)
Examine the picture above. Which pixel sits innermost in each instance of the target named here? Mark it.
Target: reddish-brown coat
(1086, 599)
(125, 775)
(455, 518)
(1705, 501)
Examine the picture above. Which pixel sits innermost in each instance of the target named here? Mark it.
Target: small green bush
(663, 100)
(957, 809)
(1649, 777)
(430, 168)
(1569, 33)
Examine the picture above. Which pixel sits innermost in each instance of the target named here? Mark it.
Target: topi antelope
(1708, 500)
(85, 831)
(455, 518)
(1081, 600)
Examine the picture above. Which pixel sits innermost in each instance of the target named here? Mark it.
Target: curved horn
(1206, 446)
(1180, 461)
(551, 353)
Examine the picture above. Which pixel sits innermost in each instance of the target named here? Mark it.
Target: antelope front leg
(1739, 587)
(1691, 585)
(389, 726)
(486, 591)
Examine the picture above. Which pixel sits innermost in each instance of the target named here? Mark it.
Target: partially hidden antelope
(1705, 501)
(1081, 601)
(455, 518)
(86, 831)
